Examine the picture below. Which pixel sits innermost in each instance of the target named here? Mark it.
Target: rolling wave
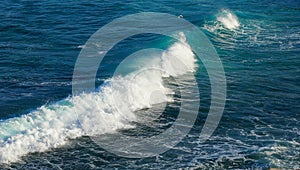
(111, 108)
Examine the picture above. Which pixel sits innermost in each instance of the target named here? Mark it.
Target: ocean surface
(258, 43)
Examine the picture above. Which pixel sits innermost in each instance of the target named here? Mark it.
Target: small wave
(250, 31)
(225, 28)
(228, 19)
(108, 110)
(81, 46)
(224, 20)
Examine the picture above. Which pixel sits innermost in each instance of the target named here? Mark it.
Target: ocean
(234, 105)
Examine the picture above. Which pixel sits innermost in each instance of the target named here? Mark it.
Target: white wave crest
(105, 111)
(228, 19)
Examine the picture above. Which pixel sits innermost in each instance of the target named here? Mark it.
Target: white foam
(182, 59)
(227, 28)
(106, 111)
(228, 19)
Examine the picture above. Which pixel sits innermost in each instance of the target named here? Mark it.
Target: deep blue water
(41, 40)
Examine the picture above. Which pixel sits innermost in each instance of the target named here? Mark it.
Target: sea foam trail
(105, 111)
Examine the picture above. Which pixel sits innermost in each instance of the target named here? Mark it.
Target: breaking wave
(112, 107)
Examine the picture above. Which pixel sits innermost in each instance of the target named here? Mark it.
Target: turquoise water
(257, 41)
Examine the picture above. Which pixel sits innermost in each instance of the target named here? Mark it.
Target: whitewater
(111, 108)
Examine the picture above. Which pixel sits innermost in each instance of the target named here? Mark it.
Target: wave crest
(105, 111)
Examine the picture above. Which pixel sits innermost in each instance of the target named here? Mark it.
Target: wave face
(104, 111)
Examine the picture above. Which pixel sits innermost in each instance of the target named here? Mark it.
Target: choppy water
(257, 41)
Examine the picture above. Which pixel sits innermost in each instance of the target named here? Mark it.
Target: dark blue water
(41, 40)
